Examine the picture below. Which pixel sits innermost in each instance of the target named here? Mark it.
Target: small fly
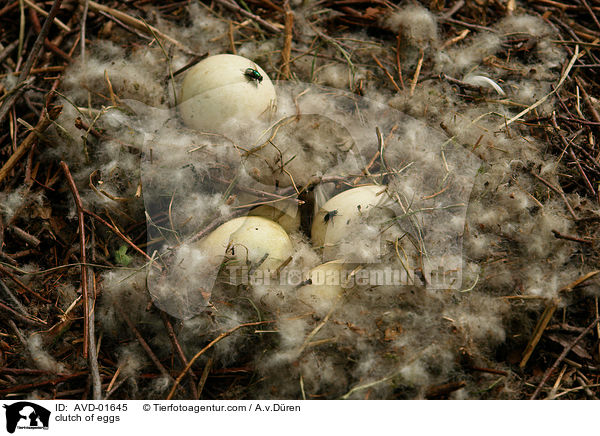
(329, 216)
(253, 75)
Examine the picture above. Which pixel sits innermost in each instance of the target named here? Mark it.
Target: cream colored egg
(327, 283)
(350, 223)
(253, 242)
(286, 215)
(219, 94)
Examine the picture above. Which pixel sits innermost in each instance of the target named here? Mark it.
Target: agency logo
(24, 415)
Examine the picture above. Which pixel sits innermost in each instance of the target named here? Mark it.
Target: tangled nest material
(510, 86)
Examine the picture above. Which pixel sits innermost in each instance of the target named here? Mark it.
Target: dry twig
(287, 41)
(208, 347)
(562, 357)
(82, 252)
(28, 141)
(7, 104)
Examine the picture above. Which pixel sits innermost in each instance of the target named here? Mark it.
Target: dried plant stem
(82, 250)
(398, 64)
(13, 298)
(232, 38)
(92, 351)
(136, 23)
(111, 384)
(316, 330)
(30, 386)
(456, 39)
(387, 73)
(287, 41)
(215, 223)
(24, 236)
(167, 58)
(257, 192)
(177, 348)
(559, 235)
(143, 343)
(208, 347)
(544, 98)
(454, 9)
(28, 142)
(119, 234)
(204, 376)
(588, 184)
(488, 370)
(543, 322)
(596, 309)
(460, 83)
(562, 356)
(413, 85)
(386, 378)
(235, 8)
(559, 192)
(558, 382)
(591, 12)
(588, 101)
(22, 285)
(547, 315)
(440, 391)
(18, 316)
(9, 7)
(6, 51)
(33, 55)
(579, 281)
(83, 28)
(36, 8)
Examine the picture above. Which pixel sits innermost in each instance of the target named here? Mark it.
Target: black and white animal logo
(26, 415)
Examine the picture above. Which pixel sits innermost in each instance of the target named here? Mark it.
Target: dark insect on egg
(253, 75)
(329, 216)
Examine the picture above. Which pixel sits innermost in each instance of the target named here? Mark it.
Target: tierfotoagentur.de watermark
(347, 277)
